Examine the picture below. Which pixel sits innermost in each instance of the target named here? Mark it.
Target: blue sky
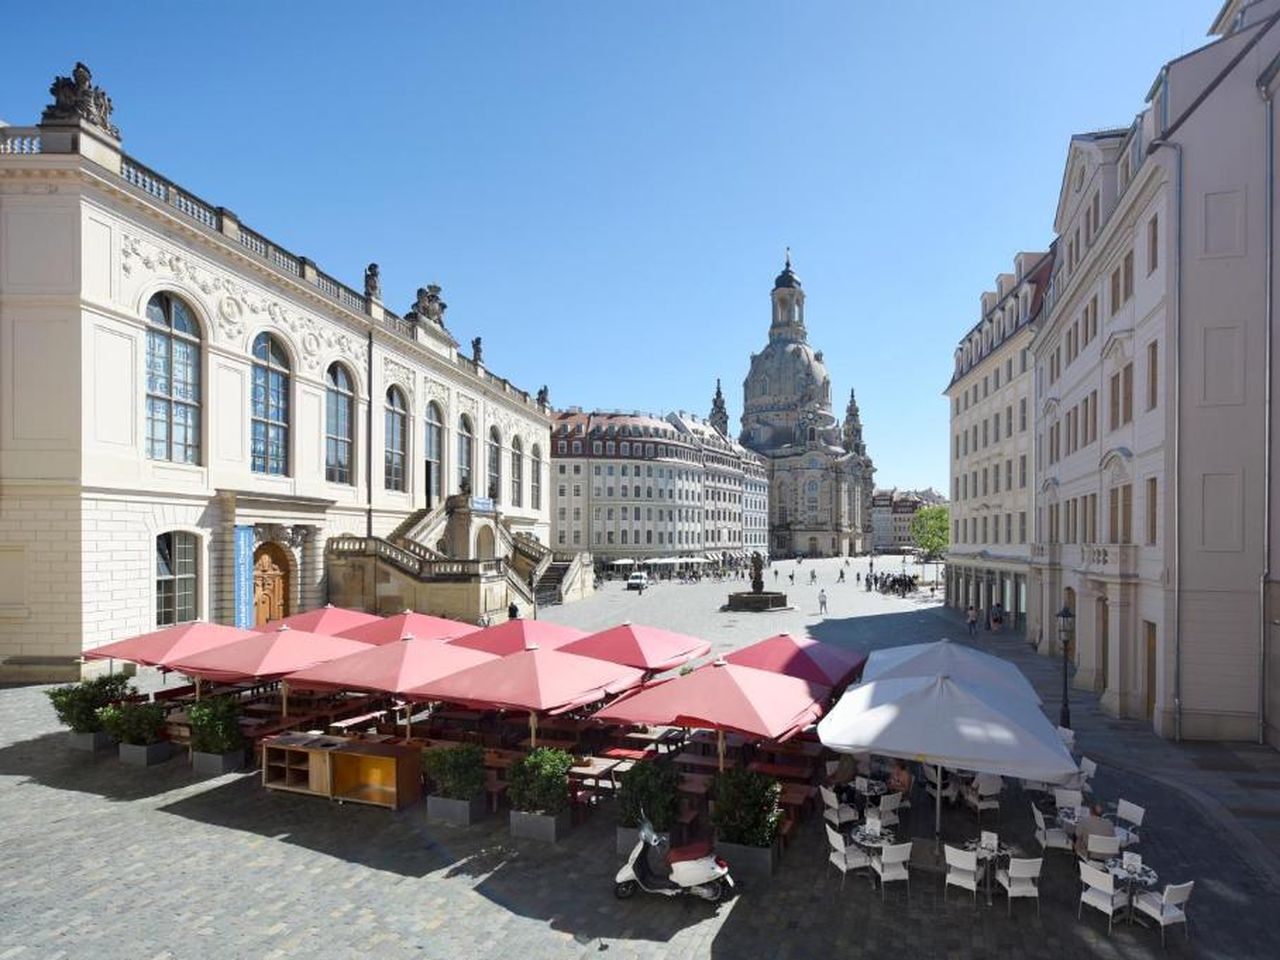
(604, 190)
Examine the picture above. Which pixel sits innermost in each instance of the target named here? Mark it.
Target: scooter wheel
(624, 890)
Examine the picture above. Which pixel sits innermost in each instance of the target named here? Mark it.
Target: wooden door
(270, 583)
(1149, 629)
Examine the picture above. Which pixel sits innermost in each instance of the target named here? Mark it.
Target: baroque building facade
(196, 423)
(820, 476)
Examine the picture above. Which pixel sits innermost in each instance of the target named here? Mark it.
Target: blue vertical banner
(244, 576)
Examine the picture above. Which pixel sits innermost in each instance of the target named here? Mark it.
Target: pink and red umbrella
(725, 696)
(266, 656)
(515, 636)
(389, 668)
(536, 680)
(160, 648)
(634, 645)
(409, 623)
(801, 657)
(329, 620)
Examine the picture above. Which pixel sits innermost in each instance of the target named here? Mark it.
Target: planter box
(215, 764)
(539, 826)
(147, 755)
(629, 836)
(753, 865)
(458, 813)
(94, 742)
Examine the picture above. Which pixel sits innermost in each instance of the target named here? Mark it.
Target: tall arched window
(173, 381)
(270, 407)
(494, 466)
(175, 578)
(535, 478)
(339, 425)
(466, 449)
(397, 431)
(517, 473)
(435, 449)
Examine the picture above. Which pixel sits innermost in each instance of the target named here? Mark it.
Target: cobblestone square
(104, 861)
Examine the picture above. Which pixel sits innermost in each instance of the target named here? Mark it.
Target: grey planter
(539, 826)
(458, 813)
(215, 764)
(752, 865)
(629, 836)
(145, 755)
(94, 742)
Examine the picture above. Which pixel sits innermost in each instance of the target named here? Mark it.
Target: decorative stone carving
(395, 372)
(437, 392)
(75, 98)
(477, 350)
(428, 307)
(544, 396)
(372, 282)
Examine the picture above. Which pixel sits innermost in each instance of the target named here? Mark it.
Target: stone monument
(758, 599)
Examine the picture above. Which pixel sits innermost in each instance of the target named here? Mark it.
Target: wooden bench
(365, 718)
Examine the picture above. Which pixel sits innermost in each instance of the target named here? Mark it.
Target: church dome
(787, 279)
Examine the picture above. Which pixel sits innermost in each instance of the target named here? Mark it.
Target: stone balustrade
(20, 140)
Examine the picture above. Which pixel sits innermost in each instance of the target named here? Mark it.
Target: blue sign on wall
(244, 576)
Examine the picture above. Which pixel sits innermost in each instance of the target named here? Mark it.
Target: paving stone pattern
(99, 860)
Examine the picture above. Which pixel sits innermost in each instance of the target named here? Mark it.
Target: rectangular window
(1115, 402)
(1153, 373)
(175, 578)
(1126, 513)
(1008, 421)
(1022, 527)
(1008, 474)
(1115, 291)
(1022, 471)
(1153, 244)
(1022, 415)
(1126, 394)
(1126, 270)
(1151, 510)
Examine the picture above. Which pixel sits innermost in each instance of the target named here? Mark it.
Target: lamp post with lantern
(1066, 627)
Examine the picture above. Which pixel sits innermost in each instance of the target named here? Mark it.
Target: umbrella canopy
(408, 624)
(329, 620)
(534, 680)
(954, 660)
(941, 720)
(647, 648)
(725, 696)
(389, 668)
(515, 636)
(800, 657)
(624, 562)
(158, 649)
(266, 656)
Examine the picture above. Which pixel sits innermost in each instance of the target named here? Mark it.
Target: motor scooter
(692, 869)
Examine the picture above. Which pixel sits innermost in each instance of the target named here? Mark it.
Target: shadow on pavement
(49, 761)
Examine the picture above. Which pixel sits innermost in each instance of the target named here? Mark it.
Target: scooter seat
(690, 851)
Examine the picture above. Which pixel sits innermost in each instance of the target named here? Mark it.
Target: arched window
(339, 424)
(270, 407)
(466, 449)
(435, 448)
(397, 430)
(535, 478)
(175, 578)
(173, 381)
(494, 465)
(517, 473)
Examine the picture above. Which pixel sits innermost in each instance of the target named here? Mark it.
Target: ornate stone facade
(820, 476)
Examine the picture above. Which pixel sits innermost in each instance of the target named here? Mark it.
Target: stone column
(313, 592)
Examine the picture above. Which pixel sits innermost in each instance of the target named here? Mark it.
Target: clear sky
(605, 190)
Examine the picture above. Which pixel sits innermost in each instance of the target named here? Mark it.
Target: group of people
(995, 618)
(899, 779)
(896, 583)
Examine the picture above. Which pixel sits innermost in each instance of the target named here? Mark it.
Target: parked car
(638, 581)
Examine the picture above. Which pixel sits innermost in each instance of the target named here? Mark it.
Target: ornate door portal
(270, 583)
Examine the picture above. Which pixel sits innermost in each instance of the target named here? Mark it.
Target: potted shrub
(539, 795)
(217, 745)
(648, 788)
(747, 818)
(457, 784)
(77, 707)
(140, 729)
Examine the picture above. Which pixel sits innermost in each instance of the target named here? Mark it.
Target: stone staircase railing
(420, 567)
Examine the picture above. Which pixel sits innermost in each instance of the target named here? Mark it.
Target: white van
(638, 581)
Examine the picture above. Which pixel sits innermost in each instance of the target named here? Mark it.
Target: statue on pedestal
(372, 282)
(76, 98)
(477, 350)
(757, 572)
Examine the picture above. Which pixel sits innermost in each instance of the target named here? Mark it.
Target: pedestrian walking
(513, 612)
(972, 620)
(840, 579)
(813, 577)
(775, 576)
(822, 601)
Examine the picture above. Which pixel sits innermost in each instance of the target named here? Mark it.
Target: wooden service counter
(343, 769)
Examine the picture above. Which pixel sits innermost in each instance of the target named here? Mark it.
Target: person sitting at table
(900, 778)
(842, 778)
(1092, 824)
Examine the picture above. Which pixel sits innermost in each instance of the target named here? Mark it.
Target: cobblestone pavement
(98, 860)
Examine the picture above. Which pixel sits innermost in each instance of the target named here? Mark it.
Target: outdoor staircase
(548, 585)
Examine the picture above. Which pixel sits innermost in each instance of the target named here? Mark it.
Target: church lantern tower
(719, 412)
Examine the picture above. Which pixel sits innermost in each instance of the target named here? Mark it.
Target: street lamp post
(1066, 626)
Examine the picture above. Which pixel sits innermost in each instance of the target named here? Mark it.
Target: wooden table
(698, 761)
(796, 796)
(782, 771)
(655, 737)
(595, 768)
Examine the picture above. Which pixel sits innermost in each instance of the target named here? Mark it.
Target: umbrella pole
(408, 721)
(937, 816)
(197, 688)
(720, 748)
(533, 730)
(284, 699)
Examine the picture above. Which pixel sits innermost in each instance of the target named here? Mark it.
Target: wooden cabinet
(356, 771)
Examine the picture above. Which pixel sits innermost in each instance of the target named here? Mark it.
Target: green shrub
(457, 772)
(215, 725)
(539, 781)
(747, 808)
(649, 788)
(139, 724)
(77, 705)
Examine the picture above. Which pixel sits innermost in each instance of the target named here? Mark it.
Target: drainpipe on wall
(1177, 431)
(368, 446)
